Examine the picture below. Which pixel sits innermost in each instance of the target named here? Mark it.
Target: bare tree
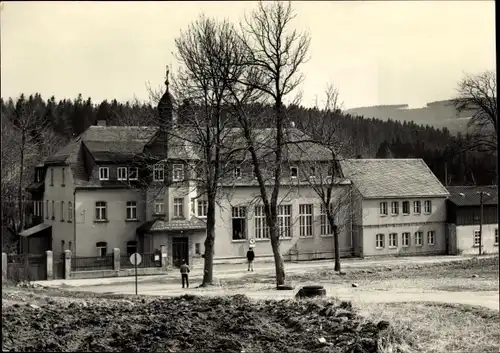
(322, 171)
(477, 95)
(210, 55)
(26, 140)
(274, 56)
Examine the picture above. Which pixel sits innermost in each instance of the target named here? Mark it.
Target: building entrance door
(180, 250)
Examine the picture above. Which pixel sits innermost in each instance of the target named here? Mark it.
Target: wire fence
(91, 263)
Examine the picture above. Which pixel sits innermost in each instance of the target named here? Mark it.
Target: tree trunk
(278, 259)
(337, 250)
(208, 266)
(20, 190)
(335, 229)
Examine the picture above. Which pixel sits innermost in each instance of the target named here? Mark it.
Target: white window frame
(100, 246)
(121, 173)
(417, 207)
(306, 214)
(201, 208)
(312, 174)
(136, 170)
(292, 173)
(160, 169)
(178, 172)
(62, 211)
(70, 211)
(159, 207)
(261, 228)
(101, 211)
(428, 206)
(407, 203)
(103, 173)
(394, 208)
(53, 210)
(393, 238)
(178, 207)
(379, 241)
(431, 237)
(325, 228)
(419, 238)
(476, 237)
(383, 209)
(405, 239)
(239, 212)
(237, 172)
(47, 209)
(285, 221)
(131, 211)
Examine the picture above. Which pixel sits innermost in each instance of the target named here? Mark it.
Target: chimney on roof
(101, 122)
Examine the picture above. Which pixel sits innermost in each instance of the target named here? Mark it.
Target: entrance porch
(180, 237)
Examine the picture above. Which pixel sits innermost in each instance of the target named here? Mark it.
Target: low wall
(148, 271)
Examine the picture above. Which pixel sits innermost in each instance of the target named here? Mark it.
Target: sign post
(135, 259)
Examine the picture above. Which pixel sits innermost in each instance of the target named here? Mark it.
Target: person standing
(250, 258)
(184, 274)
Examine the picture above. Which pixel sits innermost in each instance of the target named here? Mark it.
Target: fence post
(67, 264)
(116, 260)
(4, 267)
(49, 263)
(163, 258)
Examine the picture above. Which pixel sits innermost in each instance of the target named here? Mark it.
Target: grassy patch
(475, 274)
(439, 328)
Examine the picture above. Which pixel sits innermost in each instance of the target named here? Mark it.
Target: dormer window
(294, 172)
(312, 174)
(122, 173)
(133, 173)
(178, 172)
(103, 173)
(158, 172)
(237, 172)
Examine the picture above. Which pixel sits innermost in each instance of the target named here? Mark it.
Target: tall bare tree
(210, 54)
(477, 95)
(320, 162)
(275, 54)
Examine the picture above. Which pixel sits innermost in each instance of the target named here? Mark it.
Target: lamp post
(481, 193)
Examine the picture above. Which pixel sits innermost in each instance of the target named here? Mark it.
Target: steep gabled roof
(471, 196)
(393, 178)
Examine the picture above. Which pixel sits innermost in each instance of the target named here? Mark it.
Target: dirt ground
(185, 324)
(164, 318)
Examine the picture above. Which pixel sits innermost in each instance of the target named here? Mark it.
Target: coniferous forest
(447, 155)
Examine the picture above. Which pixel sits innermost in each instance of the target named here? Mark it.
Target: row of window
(131, 173)
(50, 210)
(63, 176)
(102, 248)
(477, 237)
(418, 239)
(262, 231)
(405, 207)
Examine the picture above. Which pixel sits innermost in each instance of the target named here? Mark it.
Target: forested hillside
(370, 138)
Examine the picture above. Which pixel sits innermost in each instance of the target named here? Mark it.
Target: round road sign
(135, 259)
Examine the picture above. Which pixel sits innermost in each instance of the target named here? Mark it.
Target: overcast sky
(390, 52)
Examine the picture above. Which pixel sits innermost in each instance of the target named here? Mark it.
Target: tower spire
(166, 77)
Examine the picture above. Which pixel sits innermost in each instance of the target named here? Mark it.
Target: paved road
(231, 271)
(168, 285)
